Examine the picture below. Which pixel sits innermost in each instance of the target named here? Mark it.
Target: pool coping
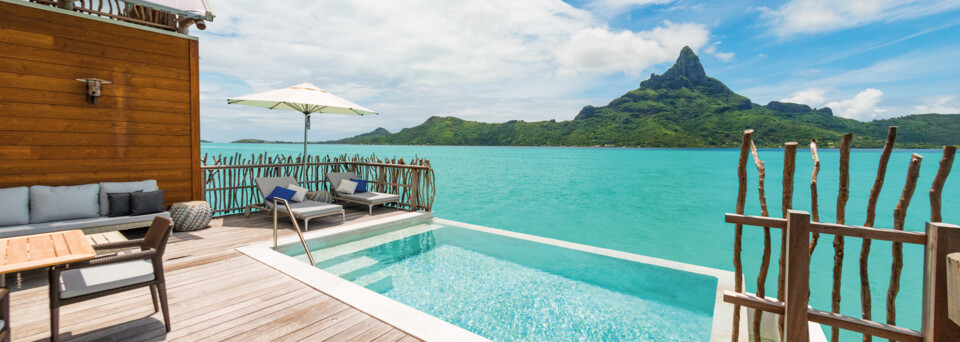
(430, 328)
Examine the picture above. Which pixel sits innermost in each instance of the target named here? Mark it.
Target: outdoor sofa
(42, 209)
(368, 198)
(305, 210)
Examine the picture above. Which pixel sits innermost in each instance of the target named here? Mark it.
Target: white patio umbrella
(305, 98)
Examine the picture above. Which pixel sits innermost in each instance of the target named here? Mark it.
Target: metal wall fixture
(93, 88)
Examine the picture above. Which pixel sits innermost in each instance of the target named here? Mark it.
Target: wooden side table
(190, 216)
(28, 252)
(22, 253)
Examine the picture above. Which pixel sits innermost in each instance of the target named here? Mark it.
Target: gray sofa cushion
(14, 206)
(100, 221)
(308, 208)
(114, 187)
(56, 203)
(371, 197)
(89, 280)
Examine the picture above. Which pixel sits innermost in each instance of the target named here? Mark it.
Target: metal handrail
(295, 227)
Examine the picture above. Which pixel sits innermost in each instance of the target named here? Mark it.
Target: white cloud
(601, 50)
(941, 105)
(861, 107)
(488, 60)
(614, 7)
(899, 76)
(722, 56)
(813, 97)
(817, 16)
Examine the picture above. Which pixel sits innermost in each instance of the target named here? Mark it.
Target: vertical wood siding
(145, 125)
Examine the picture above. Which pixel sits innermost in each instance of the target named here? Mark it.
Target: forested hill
(681, 108)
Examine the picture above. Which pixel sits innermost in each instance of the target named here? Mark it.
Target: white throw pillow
(301, 192)
(347, 187)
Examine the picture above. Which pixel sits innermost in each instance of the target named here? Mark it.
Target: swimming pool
(507, 286)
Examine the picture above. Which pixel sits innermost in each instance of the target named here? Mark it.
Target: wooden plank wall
(145, 125)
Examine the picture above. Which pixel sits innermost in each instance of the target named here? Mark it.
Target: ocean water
(669, 203)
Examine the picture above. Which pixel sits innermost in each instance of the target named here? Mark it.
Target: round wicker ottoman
(190, 216)
(319, 196)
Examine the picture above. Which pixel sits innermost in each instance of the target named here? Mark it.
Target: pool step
(380, 286)
(359, 245)
(351, 265)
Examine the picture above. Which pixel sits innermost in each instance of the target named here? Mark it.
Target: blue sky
(500, 60)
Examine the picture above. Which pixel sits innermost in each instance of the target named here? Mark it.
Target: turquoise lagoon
(669, 203)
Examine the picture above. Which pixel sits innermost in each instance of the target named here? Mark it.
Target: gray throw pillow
(14, 206)
(58, 203)
(142, 203)
(118, 187)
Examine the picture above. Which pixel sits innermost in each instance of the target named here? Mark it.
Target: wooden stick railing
(119, 10)
(229, 179)
(793, 277)
(938, 239)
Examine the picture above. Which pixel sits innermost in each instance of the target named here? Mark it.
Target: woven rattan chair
(113, 273)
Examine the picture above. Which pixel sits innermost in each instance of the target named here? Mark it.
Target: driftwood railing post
(765, 261)
(942, 239)
(842, 196)
(797, 287)
(738, 238)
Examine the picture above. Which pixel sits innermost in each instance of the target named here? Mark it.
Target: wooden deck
(215, 293)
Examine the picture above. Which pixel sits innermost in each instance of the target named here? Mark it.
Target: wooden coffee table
(29, 252)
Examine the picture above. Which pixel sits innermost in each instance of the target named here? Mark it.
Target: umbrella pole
(303, 170)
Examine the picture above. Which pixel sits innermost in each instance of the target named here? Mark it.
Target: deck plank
(215, 293)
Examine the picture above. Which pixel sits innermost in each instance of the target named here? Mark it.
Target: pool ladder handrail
(295, 227)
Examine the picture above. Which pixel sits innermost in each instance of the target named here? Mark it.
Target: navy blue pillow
(361, 185)
(281, 193)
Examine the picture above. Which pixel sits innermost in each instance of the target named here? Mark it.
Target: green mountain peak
(687, 72)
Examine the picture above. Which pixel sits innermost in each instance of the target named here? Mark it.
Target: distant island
(681, 108)
(260, 141)
(205, 141)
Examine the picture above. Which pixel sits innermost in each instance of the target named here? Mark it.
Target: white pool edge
(399, 315)
(430, 328)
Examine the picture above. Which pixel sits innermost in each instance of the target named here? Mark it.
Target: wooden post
(899, 217)
(814, 206)
(935, 191)
(865, 300)
(942, 239)
(797, 289)
(953, 286)
(842, 196)
(789, 167)
(765, 262)
(737, 242)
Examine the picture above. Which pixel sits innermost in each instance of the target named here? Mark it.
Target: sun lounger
(305, 210)
(368, 198)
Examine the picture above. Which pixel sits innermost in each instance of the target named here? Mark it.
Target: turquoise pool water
(669, 203)
(509, 289)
